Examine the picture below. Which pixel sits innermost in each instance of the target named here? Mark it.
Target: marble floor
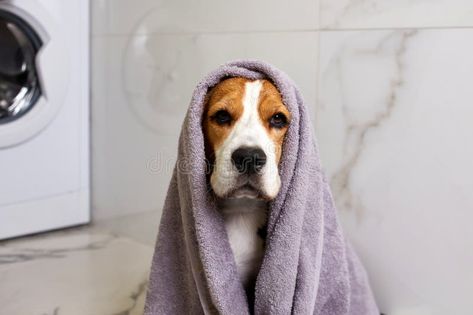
(99, 269)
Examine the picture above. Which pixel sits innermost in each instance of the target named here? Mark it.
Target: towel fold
(308, 267)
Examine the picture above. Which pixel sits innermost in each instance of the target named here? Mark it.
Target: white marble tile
(131, 163)
(142, 227)
(178, 16)
(73, 272)
(149, 81)
(394, 127)
(348, 14)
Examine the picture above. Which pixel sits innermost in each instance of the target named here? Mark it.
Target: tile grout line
(395, 28)
(314, 30)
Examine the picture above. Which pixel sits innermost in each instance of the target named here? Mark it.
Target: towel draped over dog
(308, 267)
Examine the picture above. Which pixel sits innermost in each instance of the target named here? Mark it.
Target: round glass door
(19, 82)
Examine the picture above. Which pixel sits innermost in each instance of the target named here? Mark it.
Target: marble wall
(147, 58)
(388, 84)
(394, 119)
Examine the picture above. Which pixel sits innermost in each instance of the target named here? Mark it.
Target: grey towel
(308, 267)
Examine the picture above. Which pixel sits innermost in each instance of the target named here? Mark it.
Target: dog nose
(248, 159)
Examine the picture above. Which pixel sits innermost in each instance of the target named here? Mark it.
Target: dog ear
(206, 106)
(209, 154)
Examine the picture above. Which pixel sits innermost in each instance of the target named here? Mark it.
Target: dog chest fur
(243, 218)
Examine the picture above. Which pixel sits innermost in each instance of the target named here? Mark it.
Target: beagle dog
(244, 125)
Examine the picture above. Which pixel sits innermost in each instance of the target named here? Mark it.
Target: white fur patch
(242, 219)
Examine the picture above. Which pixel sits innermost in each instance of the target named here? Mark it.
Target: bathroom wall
(389, 87)
(147, 58)
(395, 123)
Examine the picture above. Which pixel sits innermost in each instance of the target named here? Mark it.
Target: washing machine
(44, 115)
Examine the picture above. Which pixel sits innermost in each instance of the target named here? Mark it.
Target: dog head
(244, 124)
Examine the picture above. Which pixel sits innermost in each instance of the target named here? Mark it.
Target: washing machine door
(20, 87)
(33, 75)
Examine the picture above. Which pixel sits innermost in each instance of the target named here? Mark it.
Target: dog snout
(249, 160)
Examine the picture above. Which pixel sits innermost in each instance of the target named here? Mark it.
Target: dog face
(244, 123)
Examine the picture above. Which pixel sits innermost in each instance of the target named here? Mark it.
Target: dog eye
(222, 117)
(278, 120)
